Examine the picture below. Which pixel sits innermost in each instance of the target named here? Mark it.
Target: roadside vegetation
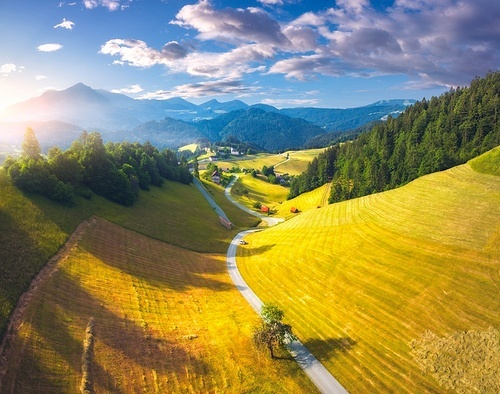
(360, 280)
(165, 319)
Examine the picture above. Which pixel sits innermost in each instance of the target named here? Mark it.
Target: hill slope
(359, 280)
(166, 320)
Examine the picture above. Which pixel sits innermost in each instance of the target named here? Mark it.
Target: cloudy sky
(324, 53)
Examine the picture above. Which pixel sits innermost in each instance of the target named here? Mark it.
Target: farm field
(360, 280)
(166, 320)
(297, 163)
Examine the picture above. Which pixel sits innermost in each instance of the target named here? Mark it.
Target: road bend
(319, 375)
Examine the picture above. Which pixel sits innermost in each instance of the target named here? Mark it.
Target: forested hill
(429, 136)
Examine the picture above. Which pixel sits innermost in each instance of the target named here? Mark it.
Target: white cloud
(433, 42)
(137, 53)
(65, 24)
(233, 25)
(201, 89)
(281, 103)
(112, 5)
(40, 77)
(131, 89)
(49, 47)
(7, 68)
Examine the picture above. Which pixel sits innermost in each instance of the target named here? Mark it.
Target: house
(216, 177)
(264, 209)
(294, 210)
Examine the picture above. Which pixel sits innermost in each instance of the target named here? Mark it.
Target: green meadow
(32, 228)
(296, 164)
(366, 282)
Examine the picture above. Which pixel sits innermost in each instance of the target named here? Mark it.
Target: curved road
(319, 375)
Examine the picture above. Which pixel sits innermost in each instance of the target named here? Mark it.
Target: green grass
(488, 163)
(33, 228)
(166, 320)
(296, 165)
(238, 217)
(259, 190)
(360, 280)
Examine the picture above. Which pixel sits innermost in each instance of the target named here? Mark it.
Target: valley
(392, 291)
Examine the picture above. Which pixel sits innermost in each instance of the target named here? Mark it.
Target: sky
(286, 53)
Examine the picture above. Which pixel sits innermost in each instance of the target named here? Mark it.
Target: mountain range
(59, 116)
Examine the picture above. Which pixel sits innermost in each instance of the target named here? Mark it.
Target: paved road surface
(271, 221)
(209, 198)
(319, 375)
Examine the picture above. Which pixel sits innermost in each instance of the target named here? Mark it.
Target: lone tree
(273, 333)
(31, 146)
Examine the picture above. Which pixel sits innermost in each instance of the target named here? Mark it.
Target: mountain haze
(175, 121)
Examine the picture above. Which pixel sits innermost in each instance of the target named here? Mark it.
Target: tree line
(116, 171)
(429, 136)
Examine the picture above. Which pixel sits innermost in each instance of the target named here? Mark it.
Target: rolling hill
(363, 282)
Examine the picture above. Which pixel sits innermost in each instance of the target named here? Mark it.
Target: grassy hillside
(297, 163)
(259, 190)
(166, 320)
(305, 202)
(33, 228)
(360, 280)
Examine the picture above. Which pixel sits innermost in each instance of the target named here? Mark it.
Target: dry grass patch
(166, 320)
(359, 280)
(466, 362)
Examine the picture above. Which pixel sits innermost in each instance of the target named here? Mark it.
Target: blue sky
(286, 53)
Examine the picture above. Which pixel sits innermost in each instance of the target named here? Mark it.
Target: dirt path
(16, 318)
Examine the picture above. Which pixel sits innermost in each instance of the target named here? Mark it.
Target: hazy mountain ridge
(175, 121)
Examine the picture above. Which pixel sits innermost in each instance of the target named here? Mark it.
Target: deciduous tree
(272, 332)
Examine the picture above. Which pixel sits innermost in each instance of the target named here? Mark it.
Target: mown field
(166, 320)
(360, 280)
(296, 164)
(249, 190)
(33, 228)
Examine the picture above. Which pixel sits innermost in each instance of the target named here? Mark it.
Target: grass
(360, 280)
(259, 190)
(33, 228)
(297, 163)
(487, 164)
(238, 217)
(314, 199)
(165, 320)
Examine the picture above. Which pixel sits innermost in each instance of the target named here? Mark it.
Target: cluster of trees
(429, 136)
(116, 171)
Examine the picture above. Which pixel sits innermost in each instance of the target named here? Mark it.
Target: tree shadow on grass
(67, 305)
(327, 348)
(252, 251)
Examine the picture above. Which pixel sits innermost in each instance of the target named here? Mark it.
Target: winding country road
(319, 375)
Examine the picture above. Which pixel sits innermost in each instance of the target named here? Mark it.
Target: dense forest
(115, 171)
(429, 136)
